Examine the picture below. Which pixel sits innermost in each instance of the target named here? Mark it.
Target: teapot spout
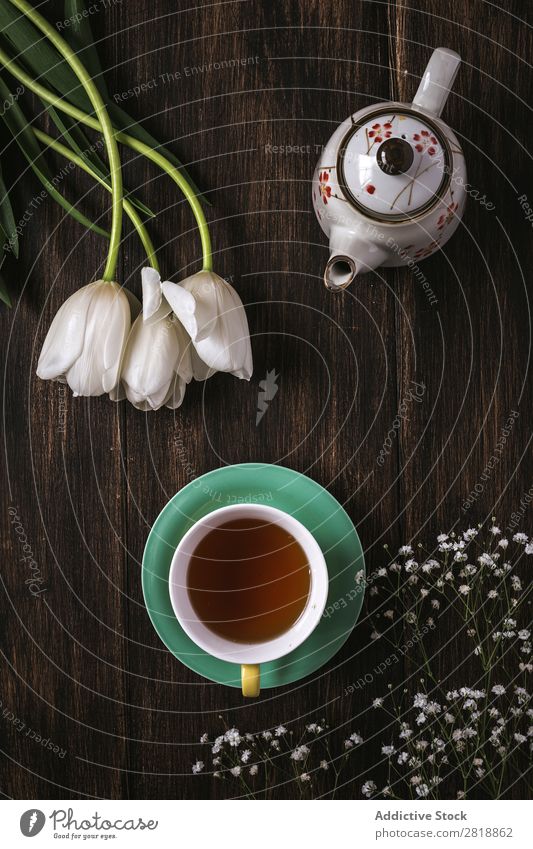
(351, 258)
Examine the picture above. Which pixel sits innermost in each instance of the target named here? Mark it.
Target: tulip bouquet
(102, 340)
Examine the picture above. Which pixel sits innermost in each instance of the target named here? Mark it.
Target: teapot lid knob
(395, 156)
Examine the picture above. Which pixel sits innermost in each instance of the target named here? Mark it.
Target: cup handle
(250, 679)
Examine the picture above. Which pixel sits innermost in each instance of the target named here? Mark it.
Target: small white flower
(300, 753)
(280, 730)
(524, 634)
(498, 690)
(368, 788)
(324, 765)
(405, 551)
(464, 589)
(254, 769)
(495, 531)
(520, 738)
(422, 790)
(233, 737)
(402, 757)
(204, 738)
(375, 635)
(387, 750)
(442, 537)
(235, 771)
(356, 738)
(520, 537)
(389, 614)
(197, 767)
(305, 776)
(246, 755)
(377, 703)
(529, 548)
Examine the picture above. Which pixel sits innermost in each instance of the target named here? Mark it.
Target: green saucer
(307, 501)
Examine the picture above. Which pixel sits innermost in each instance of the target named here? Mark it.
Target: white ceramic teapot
(389, 188)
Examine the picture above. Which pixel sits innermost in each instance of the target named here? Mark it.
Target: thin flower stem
(129, 209)
(138, 146)
(103, 121)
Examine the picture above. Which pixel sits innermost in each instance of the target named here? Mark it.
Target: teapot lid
(394, 165)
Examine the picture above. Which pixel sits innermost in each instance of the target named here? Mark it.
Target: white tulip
(87, 338)
(214, 317)
(157, 361)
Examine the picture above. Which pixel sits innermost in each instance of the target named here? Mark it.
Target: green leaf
(7, 219)
(21, 132)
(4, 294)
(80, 37)
(48, 65)
(41, 56)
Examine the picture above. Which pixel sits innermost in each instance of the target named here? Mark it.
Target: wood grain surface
(81, 664)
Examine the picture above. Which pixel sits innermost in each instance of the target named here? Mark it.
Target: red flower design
(425, 141)
(370, 189)
(447, 216)
(325, 190)
(421, 253)
(379, 132)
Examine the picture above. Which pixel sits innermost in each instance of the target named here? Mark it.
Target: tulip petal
(183, 305)
(184, 364)
(177, 394)
(151, 284)
(228, 348)
(200, 370)
(64, 340)
(118, 327)
(151, 357)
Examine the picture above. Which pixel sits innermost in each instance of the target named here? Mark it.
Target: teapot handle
(437, 81)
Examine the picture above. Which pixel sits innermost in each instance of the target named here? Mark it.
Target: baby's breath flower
(377, 703)
(233, 737)
(324, 765)
(280, 731)
(422, 790)
(235, 771)
(254, 769)
(300, 753)
(204, 738)
(305, 776)
(368, 788)
(246, 755)
(520, 537)
(197, 767)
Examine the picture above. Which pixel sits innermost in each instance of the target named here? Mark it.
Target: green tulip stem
(129, 209)
(104, 123)
(136, 145)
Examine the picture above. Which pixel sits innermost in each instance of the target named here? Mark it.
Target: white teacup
(249, 655)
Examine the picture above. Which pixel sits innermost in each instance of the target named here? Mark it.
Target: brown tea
(248, 580)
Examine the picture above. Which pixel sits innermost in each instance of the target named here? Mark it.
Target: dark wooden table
(81, 664)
